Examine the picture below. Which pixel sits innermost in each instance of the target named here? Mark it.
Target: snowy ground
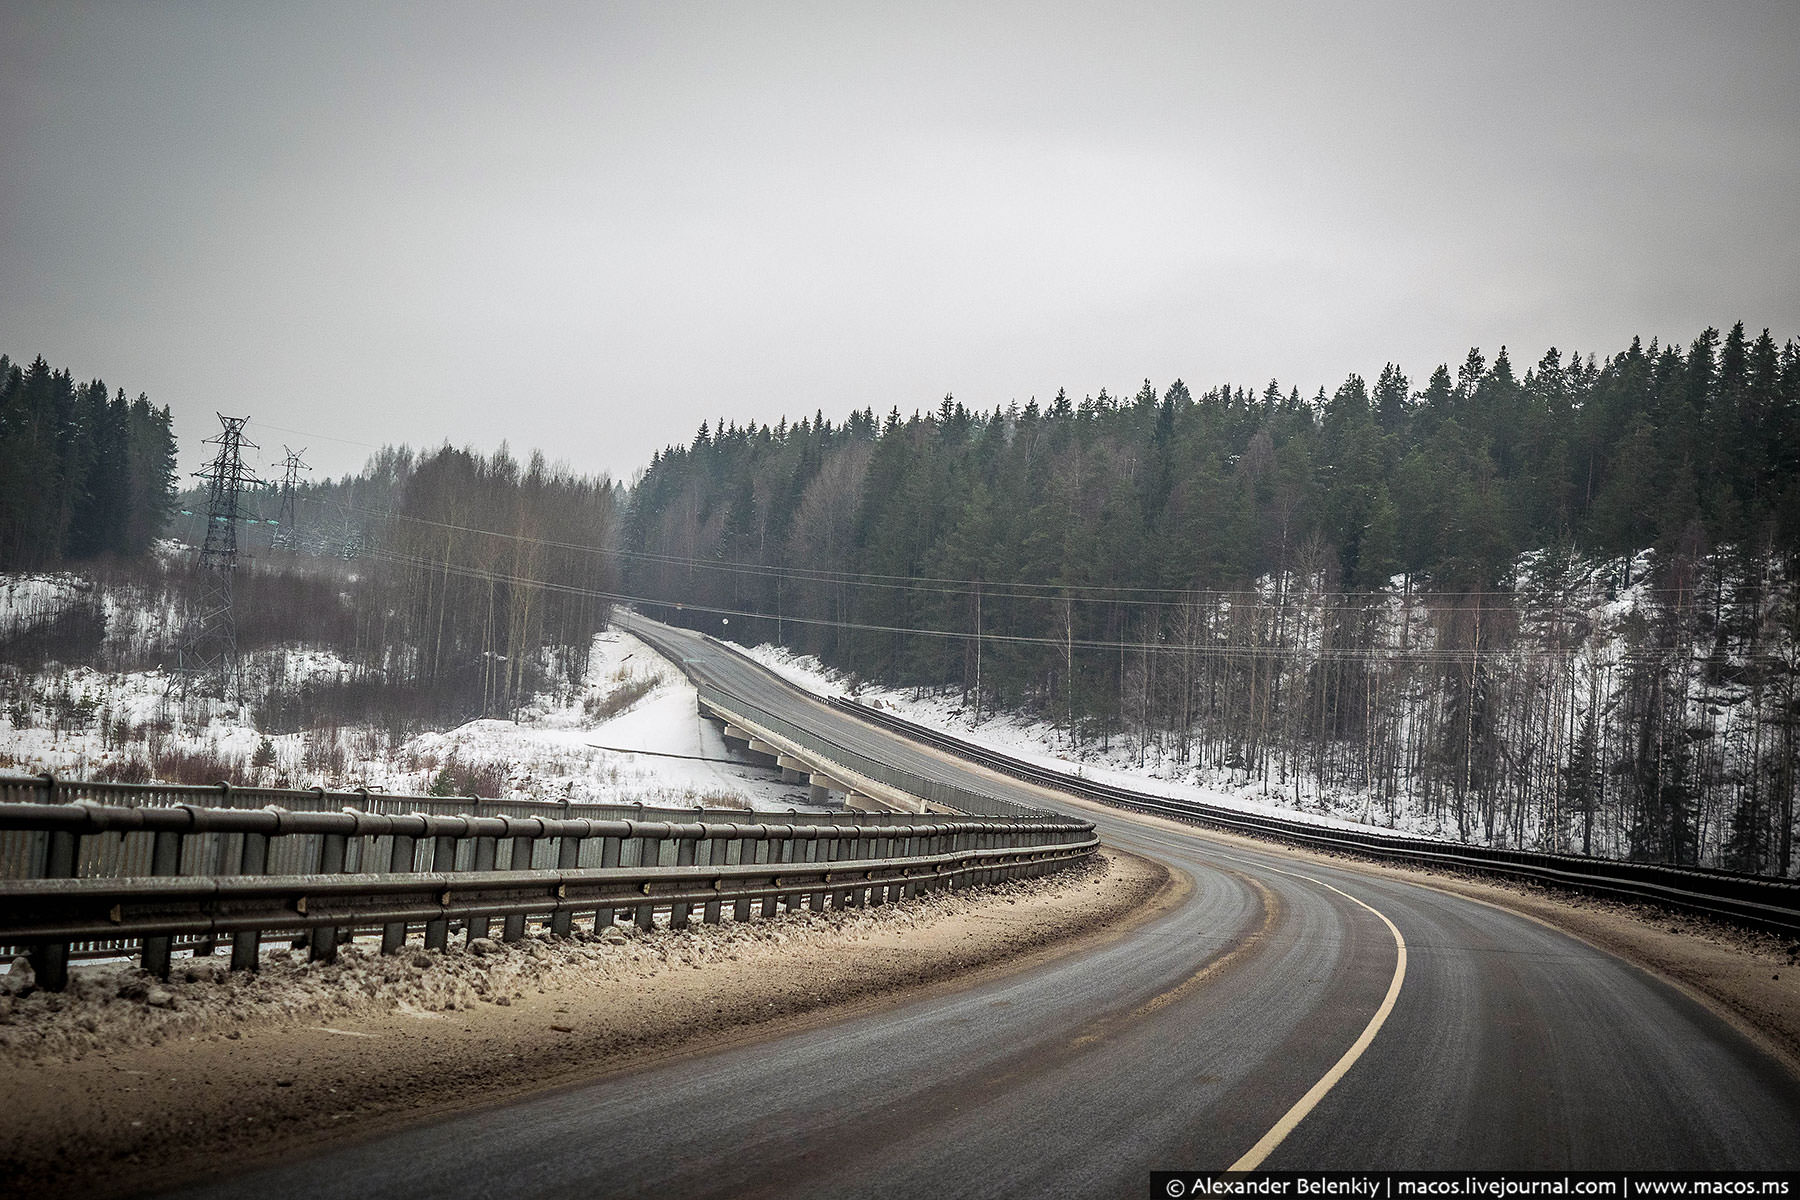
(558, 752)
(607, 740)
(1041, 742)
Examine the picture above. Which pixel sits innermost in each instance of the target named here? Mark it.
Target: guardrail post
(165, 859)
(718, 853)
(821, 853)
(684, 857)
(246, 944)
(918, 845)
(901, 847)
(324, 941)
(854, 898)
(210, 943)
(514, 927)
(610, 849)
(485, 850)
(881, 847)
(568, 858)
(776, 853)
(50, 960)
(911, 846)
(649, 855)
(746, 856)
(443, 861)
(400, 861)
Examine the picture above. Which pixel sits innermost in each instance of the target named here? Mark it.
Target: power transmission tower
(287, 535)
(209, 654)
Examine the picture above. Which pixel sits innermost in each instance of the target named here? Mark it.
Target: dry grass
(628, 689)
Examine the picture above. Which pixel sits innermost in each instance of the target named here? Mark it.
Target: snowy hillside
(629, 731)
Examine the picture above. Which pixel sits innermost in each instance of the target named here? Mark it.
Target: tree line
(1549, 608)
(468, 581)
(83, 472)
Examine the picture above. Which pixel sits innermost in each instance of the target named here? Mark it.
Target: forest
(448, 584)
(1551, 608)
(1554, 608)
(453, 584)
(82, 474)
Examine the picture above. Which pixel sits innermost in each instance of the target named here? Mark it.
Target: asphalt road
(1180, 1045)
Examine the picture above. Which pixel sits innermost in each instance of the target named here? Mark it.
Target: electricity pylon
(287, 535)
(209, 657)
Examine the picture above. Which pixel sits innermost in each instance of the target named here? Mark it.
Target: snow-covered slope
(1040, 742)
(628, 732)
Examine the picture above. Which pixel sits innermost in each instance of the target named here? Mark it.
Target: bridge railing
(936, 791)
(201, 876)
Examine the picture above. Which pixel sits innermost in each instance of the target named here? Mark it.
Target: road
(1213, 1032)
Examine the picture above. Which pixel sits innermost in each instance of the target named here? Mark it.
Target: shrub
(610, 704)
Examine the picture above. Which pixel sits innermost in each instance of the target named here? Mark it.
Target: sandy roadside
(102, 1093)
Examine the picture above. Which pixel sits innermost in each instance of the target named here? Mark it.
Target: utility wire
(1203, 649)
(667, 754)
(1119, 595)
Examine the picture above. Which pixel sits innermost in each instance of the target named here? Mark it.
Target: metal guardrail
(22, 850)
(407, 870)
(1754, 900)
(938, 792)
(54, 789)
(111, 868)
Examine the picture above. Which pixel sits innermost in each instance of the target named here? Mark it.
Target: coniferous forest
(1552, 606)
(81, 475)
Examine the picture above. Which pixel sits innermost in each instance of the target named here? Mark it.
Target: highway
(1302, 1014)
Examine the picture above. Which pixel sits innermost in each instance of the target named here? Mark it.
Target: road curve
(1179, 1045)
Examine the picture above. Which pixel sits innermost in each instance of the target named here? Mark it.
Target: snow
(556, 753)
(83, 721)
(28, 600)
(1582, 623)
(87, 723)
(1035, 741)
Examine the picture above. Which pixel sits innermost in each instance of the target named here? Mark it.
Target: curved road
(1181, 1045)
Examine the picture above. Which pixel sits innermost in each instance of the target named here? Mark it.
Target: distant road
(1182, 1045)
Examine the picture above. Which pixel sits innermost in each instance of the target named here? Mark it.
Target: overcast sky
(589, 227)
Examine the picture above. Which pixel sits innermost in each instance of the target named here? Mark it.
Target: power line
(1207, 649)
(668, 754)
(1120, 595)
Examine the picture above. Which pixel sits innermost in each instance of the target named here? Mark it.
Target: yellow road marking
(1254, 1157)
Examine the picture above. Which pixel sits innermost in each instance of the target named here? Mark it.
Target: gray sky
(589, 227)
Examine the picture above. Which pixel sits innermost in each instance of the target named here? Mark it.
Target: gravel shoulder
(123, 1085)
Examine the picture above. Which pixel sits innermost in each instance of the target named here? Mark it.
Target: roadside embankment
(124, 1082)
